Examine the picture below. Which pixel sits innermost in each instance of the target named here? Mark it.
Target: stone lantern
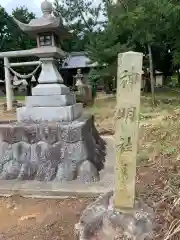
(84, 91)
(51, 100)
(79, 78)
(52, 139)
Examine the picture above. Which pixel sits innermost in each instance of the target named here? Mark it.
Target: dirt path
(27, 219)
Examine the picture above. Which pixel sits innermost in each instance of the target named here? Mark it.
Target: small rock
(1, 236)
(28, 217)
(11, 206)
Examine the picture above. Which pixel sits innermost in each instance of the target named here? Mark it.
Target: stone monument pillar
(116, 214)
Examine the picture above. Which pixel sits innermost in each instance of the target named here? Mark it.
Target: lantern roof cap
(47, 23)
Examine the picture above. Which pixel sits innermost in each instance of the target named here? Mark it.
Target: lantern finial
(46, 7)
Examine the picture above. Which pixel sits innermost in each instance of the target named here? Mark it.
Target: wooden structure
(127, 125)
(73, 62)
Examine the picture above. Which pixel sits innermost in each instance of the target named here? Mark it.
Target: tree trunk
(29, 88)
(151, 73)
(178, 74)
(147, 87)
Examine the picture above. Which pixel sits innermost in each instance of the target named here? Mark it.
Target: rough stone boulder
(101, 221)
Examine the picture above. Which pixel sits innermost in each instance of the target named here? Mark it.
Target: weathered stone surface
(50, 89)
(87, 172)
(48, 151)
(129, 76)
(49, 73)
(50, 101)
(101, 220)
(65, 113)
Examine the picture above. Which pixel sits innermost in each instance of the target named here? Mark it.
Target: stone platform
(50, 102)
(58, 189)
(47, 151)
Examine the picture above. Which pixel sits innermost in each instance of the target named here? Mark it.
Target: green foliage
(132, 25)
(174, 81)
(93, 77)
(11, 37)
(127, 25)
(22, 40)
(81, 18)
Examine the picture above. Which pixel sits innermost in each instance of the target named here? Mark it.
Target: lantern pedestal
(50, 89)
(51, 100)
(64, 114)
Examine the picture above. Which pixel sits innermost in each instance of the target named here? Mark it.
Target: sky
(32, 5)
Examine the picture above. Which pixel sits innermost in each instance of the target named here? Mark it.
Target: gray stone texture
(64, 113)
(47, 151)
(50, 101)
(101, 220)
(87, 172)
(50, 89)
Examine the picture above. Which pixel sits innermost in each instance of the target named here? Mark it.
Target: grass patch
(142, 158)
(104, 109)
(18, 98)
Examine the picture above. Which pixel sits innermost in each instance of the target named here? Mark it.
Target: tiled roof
(77, 60)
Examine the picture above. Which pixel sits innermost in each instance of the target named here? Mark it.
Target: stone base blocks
(50, 102)
(50, 89)
(65, 113)
(101, 221)
(46, 151)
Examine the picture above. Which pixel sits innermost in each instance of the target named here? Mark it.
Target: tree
(111, 39)
(174, 35)
(5, 35)
(6, 25)
(14, 38)
(138, 25)
(149, 31)
(81, 18)
(22, 40)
